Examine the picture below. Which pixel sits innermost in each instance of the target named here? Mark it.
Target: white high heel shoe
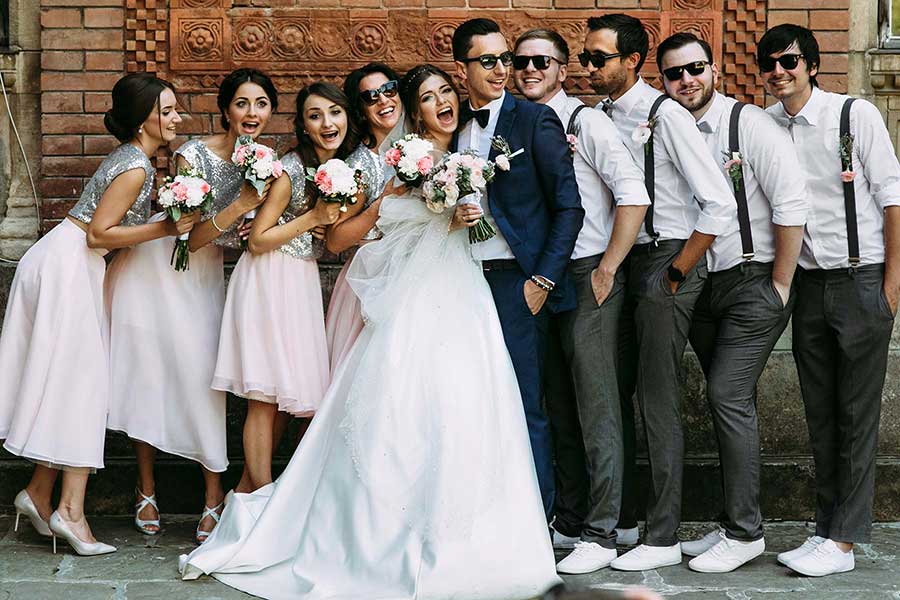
(213, 512)
(59, 528)
(143, 525)
(25, 506)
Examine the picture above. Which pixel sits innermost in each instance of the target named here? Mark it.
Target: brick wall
(89, 44)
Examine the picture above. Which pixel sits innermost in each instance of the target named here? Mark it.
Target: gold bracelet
(219, 229)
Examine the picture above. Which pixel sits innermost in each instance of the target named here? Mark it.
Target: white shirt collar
(712, 117)
(809, 114)
(493, 106)
(559, 103)
(629, 99)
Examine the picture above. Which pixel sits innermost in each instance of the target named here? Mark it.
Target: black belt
(500, 264)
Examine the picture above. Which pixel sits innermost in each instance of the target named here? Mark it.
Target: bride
(415, 479)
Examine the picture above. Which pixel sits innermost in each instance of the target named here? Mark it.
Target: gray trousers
(583, 374)
(737, 321)
(653, 333)
(842, 328)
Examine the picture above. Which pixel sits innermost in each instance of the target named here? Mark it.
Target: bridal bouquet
(460, 177)
(258, 163)
(336, 181)
(411, 158)
(187, 192)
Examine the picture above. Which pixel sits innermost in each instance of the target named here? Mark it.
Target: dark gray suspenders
(649, 173)
(740, 187)
(849, 190)
(572, 128)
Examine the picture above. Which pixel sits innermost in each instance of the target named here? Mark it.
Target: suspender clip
(748, 256)
(854, 263)
(656, 240)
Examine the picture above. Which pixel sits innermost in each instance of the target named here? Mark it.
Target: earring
(140, 129)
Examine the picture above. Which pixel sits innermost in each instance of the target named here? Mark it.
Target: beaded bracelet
(541, 284)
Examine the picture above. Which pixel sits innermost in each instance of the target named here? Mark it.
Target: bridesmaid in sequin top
(54, 393)
(373, 91)
(279, 362)
(159, 400)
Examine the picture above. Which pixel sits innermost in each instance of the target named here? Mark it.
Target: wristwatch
(675, 276)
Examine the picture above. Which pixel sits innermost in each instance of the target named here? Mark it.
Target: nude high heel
(59, 528)
(25, 506)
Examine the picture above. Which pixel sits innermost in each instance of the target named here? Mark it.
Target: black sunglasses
(388, 89)
(541, 62)
(787, 62)
(598, 59)
(489, 61)
(694, 69)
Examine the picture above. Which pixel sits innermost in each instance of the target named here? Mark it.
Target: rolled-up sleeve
(877, 154)
(677, 130)
(605, 152)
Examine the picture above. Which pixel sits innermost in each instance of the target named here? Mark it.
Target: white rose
(502, 162)
(166, 198)
(452, 193)
(641, 133)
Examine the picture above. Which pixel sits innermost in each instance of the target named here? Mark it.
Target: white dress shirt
(773, 181)
(474, 137)
(684, 169)
(605, 172)
(816, 134)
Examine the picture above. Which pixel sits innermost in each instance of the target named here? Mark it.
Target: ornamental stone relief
(209, 38)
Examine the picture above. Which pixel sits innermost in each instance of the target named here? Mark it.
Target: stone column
(20, 68)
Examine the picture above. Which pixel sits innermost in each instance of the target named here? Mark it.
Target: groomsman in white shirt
(746, 302)
(847, 288)
(691, 204)
(580, 371)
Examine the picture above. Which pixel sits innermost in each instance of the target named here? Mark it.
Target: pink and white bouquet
(257, 162)
(460, 177)
(411, 158)
(187, 192)
(336, 181)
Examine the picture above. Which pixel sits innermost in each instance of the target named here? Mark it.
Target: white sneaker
(698, 547)
(808, 546)
(587, 557)
(563, 541)
(645, 558)
(727, 555)
(627, 537)
(825, 559)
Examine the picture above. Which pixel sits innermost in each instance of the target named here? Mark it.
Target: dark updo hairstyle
(357, 106)
(409, 92)
(233, 81)
(305, 147)
(133, 99)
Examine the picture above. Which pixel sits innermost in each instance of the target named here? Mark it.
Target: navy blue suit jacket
(536, 203)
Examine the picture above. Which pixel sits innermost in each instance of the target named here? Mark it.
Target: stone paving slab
(145, 568)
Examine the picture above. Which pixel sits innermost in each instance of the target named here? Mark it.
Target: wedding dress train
(415, 479)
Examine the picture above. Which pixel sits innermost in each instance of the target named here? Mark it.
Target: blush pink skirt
(343, 323)
(164, 335)
(53, 354)
(272, 344)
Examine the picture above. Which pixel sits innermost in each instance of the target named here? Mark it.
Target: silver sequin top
(303, 246)
(223, 176)
(124, 158)
(375, 173)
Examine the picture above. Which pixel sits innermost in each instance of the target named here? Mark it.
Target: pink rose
(204, 188)
(260, 153)
(392, 157)
(425, 164)
(241, 155)
(848, 176)
(277, 168)
(731, 163)
(572, 141)
(323, 182)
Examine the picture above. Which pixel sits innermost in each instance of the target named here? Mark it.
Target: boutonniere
(505, 152)
(846, 149)
(732, 165)
(643, 133)
(573, 143)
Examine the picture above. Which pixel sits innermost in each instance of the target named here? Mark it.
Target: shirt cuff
(889, 195)
(789, 217)
(632, 195)
(711, 225)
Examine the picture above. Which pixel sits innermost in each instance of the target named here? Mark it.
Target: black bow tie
(608, 106)
(467, 114)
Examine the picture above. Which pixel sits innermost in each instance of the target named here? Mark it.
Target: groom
(535, 209)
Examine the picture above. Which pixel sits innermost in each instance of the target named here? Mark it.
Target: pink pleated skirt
(272, 344)
(164, 335)
(343, 322)
(53, 354)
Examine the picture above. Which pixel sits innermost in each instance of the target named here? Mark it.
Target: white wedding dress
(415, 479)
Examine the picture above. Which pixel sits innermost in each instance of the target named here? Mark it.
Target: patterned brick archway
(195, 42)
